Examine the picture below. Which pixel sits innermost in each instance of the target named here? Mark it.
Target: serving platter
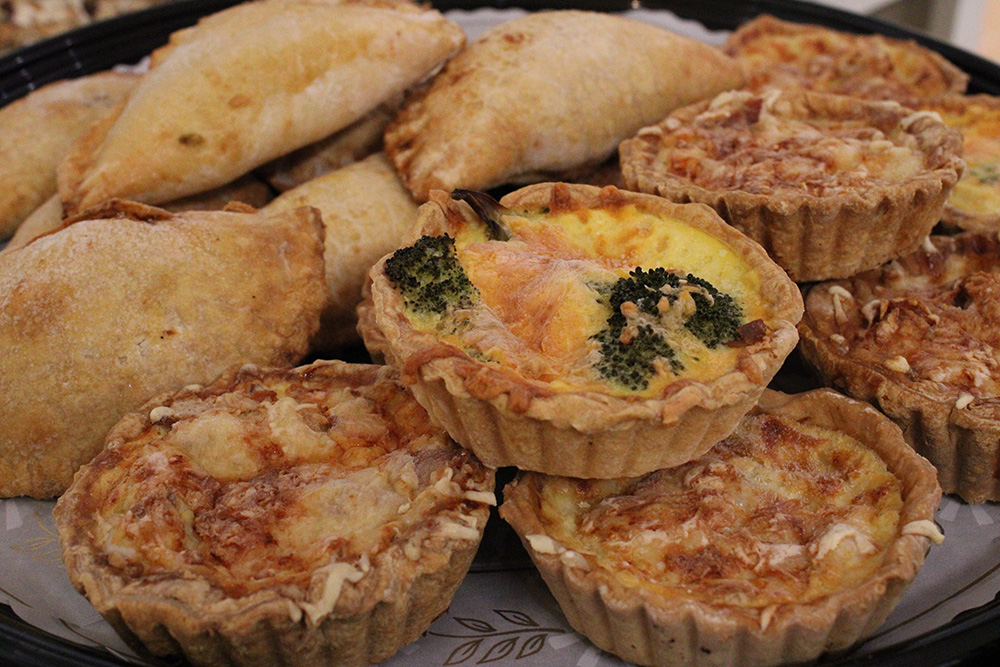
(503, 614)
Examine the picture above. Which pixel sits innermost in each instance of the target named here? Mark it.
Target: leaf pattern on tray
(489, 642)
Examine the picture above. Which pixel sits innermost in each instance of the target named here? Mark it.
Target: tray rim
(84, 50)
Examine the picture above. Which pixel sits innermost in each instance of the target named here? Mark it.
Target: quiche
(782, 54)
(974, 204)
(830, 185)
(918, 338)
(581, 331)
(793, 536)
(306, 516)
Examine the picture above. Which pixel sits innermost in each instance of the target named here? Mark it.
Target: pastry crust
(37, 130)
(545, 94)
(249, 84)
(830, 185)
(366, 213)
(307, 516)
(974, 204)
(134, 301)
(782, 54)
(517, 378)
(918, 339)
(794, 536)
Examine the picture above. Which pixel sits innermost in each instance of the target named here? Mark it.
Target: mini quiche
(782, 54)
(918, 338)
(795, 535)
(581, 331)
(975, 202)
(307, 516)
(830, 185)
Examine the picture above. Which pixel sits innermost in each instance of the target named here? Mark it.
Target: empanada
(366, 212)
(546, 94)
(106, 313)
(36, 131)
(249, 84)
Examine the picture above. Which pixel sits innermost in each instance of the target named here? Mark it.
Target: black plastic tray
(973, 637)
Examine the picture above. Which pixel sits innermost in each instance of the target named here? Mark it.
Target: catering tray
(503, 614)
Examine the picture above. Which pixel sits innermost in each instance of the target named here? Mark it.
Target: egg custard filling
(614, 298)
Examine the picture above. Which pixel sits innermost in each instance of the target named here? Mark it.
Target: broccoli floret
(429, 276)
(718, 317)
(629, 359)
(631, 364)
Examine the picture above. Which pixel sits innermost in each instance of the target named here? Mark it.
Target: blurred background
(973, 25)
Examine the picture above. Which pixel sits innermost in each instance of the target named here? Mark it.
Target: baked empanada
(108, 312)
(547, 94)
(249, 84)
(37, 130)
(366, 212)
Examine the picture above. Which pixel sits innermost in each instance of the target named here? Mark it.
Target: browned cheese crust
(793, 536)
(918, 338)
(782, 54)
(830, 185)
(301, 516)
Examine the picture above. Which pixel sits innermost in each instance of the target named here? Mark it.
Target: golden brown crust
(366, 212)
(249, 84)
(974, 204)
(917, 338)
(776, 53)
(579, 427)
(545, 94)
(39, 129)
(276, 516)
(703, 607)
(134, 301)
(828, 184)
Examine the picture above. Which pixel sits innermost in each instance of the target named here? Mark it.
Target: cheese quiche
(974, 204)
(830, 185)
(918, 338)
(793, 536)
(307, 516)
(582, 331)
(782, 54)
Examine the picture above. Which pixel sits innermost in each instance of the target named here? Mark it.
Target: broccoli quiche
(974, 204)
(581, 331)
(830, 185)
(793, 536)
(918, 338)
(783, 54)
(308, 516)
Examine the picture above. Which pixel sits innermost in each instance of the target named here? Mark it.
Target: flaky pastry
(133, 301)
(795, 535)
(830, 185)
(918, 338)
(308, 516)
(582, 331)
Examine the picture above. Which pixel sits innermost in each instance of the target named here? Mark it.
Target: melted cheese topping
(294, 483)
(541, 299)
(780, 512)
(978, 190)
(758, 145)
(931, 325)
(786, 55)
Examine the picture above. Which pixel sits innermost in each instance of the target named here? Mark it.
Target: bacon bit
(964, 400)
(928, 246)
(898, 364)
(750, 334)
(837, 339)
(838, 293)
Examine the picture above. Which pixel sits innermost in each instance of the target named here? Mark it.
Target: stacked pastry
(615, 346)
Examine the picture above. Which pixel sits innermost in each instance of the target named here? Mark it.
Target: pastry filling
(978, 190)
(612, 299)
(779, 512)
(276, 485)
(937, 331)
(756, 145)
